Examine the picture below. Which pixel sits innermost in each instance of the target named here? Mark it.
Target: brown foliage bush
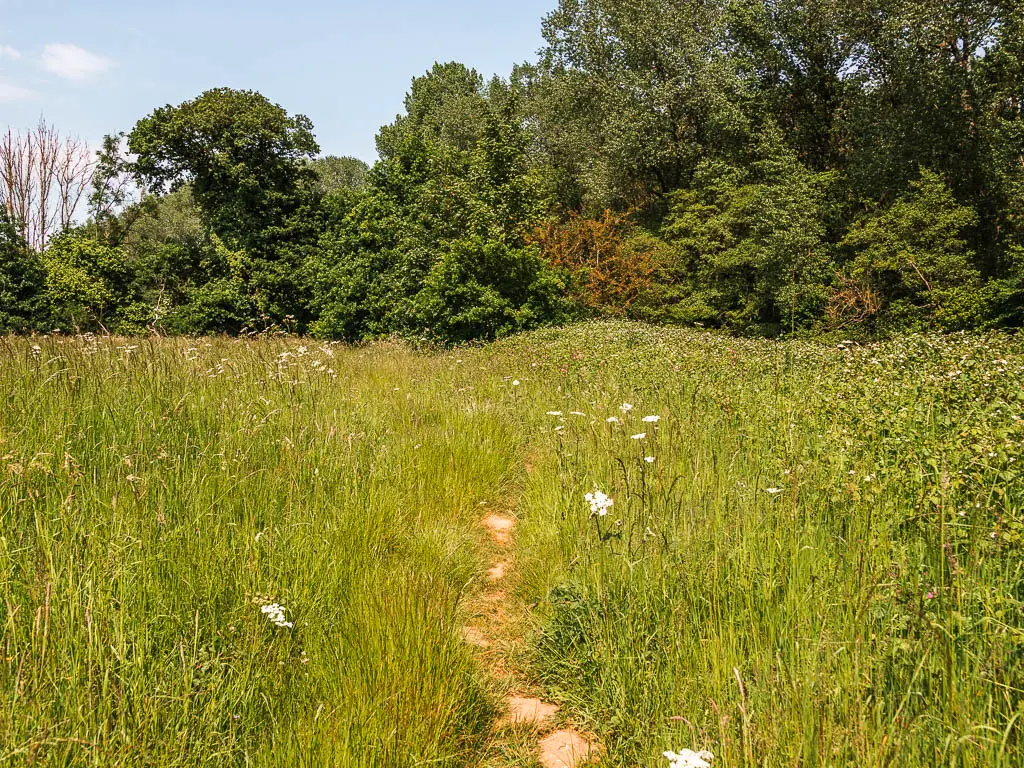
(611, 271)
(851, 302)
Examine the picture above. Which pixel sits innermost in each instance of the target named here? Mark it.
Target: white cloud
(10, 93)
(10, 52)
(73, 63)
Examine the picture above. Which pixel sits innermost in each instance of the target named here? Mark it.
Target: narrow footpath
(530, 731)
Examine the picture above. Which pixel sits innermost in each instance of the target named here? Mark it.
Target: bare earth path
(530, 731)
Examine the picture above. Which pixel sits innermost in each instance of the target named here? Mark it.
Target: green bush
(1007, 293)
(22, 281)
(484, 289)
(751, 241)
(216, 306)
(86, 281)
(913, 255)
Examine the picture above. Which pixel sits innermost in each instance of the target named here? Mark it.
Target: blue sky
(95, 67)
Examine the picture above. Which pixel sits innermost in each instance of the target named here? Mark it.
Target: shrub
(22, 281)
(482, 289)
(914, 257)
(612, 269)
(750, 241)
(85, 280)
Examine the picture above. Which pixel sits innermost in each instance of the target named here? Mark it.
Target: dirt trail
(530, 730)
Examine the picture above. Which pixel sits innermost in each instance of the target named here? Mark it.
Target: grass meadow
(260, 552)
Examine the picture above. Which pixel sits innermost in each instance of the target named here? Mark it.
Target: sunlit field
(261, 551)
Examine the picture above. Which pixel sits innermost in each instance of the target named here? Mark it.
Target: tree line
(769, 167)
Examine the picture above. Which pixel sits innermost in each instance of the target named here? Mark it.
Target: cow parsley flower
(651, 419)
(641, 436)
(275, 615)
(649, 459)
(690, 759)
(554, 413)
(625, 407)
(774, 491)
(612, 419)
(599, 503)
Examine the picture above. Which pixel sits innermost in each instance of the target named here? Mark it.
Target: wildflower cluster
(600, 503)
(275, 615)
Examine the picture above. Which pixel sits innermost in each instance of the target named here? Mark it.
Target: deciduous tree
(43, 178)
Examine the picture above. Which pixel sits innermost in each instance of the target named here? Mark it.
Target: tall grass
(821, 565)
(155, 494)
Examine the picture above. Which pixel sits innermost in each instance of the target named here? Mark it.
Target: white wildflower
(774, 491)
(554, 413)
(690, 759)
(641, 436)
(649, 459)
(625, 407)
(652, 419)
(275, 615)
(515, 383)
(599, 503)
(612, 419)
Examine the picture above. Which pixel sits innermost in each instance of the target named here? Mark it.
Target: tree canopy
(768, 167)
(241, 154)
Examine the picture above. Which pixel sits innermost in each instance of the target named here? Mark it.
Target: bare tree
(43, 177)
